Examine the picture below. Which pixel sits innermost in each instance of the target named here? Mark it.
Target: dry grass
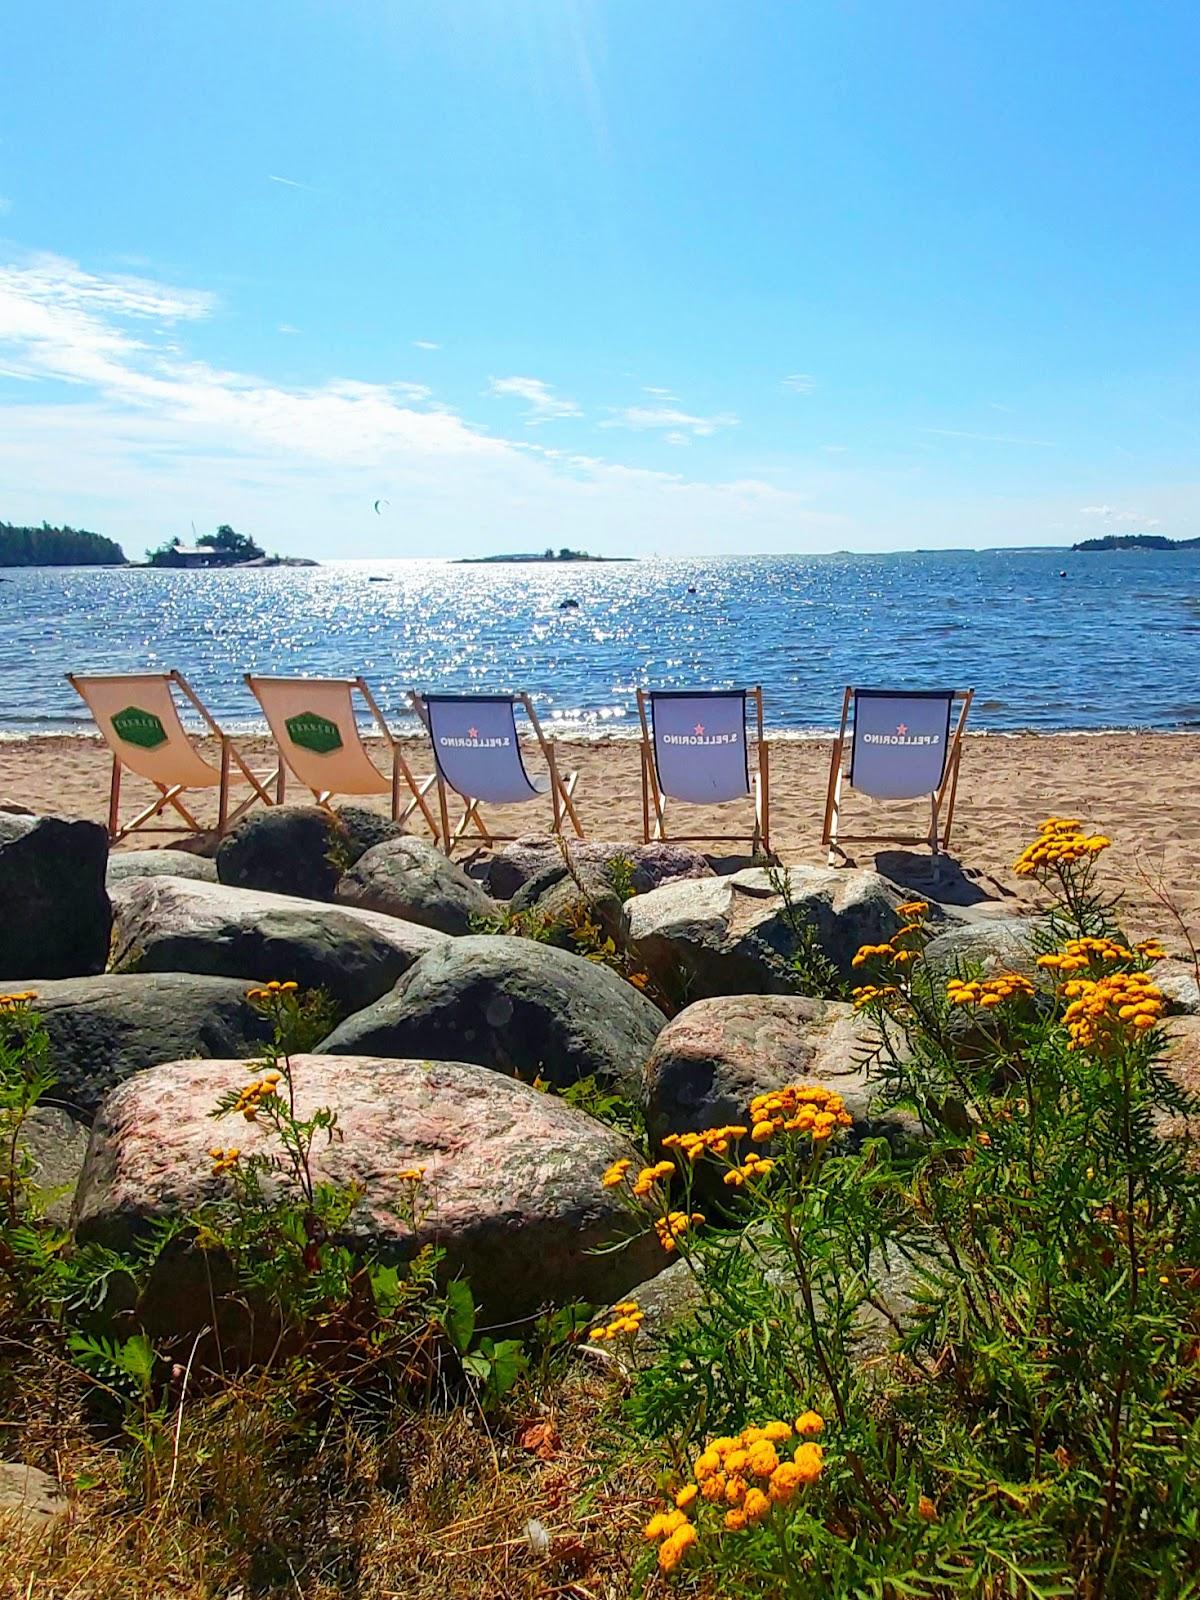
(432, 1506)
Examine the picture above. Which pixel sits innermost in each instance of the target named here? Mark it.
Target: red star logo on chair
(699, 730)
(902, 728)
(472, 733)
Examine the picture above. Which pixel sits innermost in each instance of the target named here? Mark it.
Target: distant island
(546, 556)
(56, 547)
(225, 548)
(1137, 541)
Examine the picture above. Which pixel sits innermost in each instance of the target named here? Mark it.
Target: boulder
(559, 899)
(530, 856)
(56, 1145)
(29, 1497)
(104, 1029)
(299, 850)
(719, 936)
(57, 916)
(515, 1006)
(1177, 980)
(160, 864)
(986, 946)
(168, 925)
(412, 879)
(512, 1189)
(711, 1060)
(1182, 1061)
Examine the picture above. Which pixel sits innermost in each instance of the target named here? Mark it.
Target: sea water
(1049, 639)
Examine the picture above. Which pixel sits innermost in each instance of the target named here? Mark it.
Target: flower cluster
(745, 1476)
(913, 910)
(271, 991)
(1077, 955)
(1061, 842)
(411, 1175)
(224, 1160)
(712, 1141)
(1105, 1012)
(868, 993)
(988, 993)
(649, 1178)
(16, 1002)
(754, 1166)
(252, 1096)
(627, 1320)
(800, 1108)
(615, 1176)
(671, 1228)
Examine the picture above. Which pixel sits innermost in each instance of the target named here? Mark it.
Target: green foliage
(998, 1323)
(56, 547)
(606, 1104)
(228, 547)
(813, 973)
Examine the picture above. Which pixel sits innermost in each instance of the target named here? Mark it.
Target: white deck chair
(315, 727)
(477, 752)
(904, 745)
(695, 748)
(139, 720)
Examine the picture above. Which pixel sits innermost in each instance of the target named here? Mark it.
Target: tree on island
(228, 547)
(56, 547)
(237, 546)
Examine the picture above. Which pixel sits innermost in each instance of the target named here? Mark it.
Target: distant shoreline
(574, 558)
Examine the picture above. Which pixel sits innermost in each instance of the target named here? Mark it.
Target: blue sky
(646, 276)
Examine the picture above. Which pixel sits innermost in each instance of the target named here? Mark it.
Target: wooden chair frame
(169, 794)
(938, 837)
(654, 801)
(401, 773)
(561, 791)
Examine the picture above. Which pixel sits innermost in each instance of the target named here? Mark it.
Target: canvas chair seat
(695, 749)
(477, 754)
(315, 726)
(903, 745)
(139, 720)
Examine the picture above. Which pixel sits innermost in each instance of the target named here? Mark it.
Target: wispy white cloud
(425, 344)
(659, 394)
(668, 417)
(988, 438)
(800, 382)
(286, 327)
(1111, 514)
(291, 183)
(544, 404)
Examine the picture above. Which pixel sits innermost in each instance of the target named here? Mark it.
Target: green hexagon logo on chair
(311, 731)
(139, 727)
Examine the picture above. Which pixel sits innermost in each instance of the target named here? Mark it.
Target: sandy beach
(1141, 789)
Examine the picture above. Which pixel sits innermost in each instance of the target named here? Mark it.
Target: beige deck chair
(904, 745)
(314, 725)
(477, 752)
(695, 748)
(139, 720)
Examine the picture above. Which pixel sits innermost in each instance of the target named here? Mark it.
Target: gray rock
(560, 899)
(1177, 980)
(30, 1497)
(711, 1060)
(104, 1029)
(720, 936)
(412, 879)
(516, 1006)
(168, 925)
(987, 946)
(511, 1193)
(57, 916)
(299, 850)
(653, 864)
(160, 864)
(56, 1144)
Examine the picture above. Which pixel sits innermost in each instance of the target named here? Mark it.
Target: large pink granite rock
(512, 1190)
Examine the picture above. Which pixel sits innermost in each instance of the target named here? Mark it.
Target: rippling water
(1116, 643)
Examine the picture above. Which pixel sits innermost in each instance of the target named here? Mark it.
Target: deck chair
(695, 748)
(139, 720)
(314, 725)
(904, 745)
(477, 753)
